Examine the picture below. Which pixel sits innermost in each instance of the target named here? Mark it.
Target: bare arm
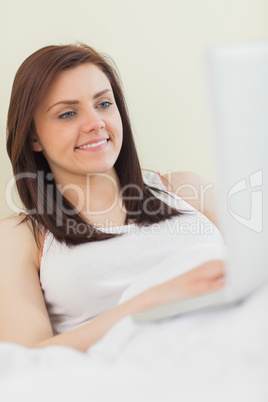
(205, 278)
(23, 316)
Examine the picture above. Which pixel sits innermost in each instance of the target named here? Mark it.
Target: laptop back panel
(238, 84)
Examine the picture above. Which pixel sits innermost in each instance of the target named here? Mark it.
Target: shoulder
(14, 225)
(184, 181)
(194, 189)
(17, 236)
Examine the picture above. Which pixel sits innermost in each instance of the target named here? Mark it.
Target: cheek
(54, 139)
(118, 126)
(116, 118)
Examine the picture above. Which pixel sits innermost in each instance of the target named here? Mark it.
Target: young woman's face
(79, 128)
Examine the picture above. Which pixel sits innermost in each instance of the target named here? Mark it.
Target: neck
(94, 193)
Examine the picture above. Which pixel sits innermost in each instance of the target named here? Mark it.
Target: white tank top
(84, 281)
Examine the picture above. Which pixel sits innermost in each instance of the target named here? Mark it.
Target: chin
(108, 169)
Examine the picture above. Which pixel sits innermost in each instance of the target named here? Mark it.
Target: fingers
(210, 269)
(205, 286)
(205, 278)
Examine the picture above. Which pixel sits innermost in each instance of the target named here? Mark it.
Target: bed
(211, 355)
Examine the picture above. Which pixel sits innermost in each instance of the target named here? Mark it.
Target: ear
(36, 146)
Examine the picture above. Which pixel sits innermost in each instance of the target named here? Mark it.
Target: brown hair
(30, 84)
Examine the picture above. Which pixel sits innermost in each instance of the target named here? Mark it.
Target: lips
(93, 143)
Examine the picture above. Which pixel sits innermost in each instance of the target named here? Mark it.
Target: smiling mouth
(94, 144)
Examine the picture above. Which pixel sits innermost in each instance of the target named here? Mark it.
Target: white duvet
(219, 355)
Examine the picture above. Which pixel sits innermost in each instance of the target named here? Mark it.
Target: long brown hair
(31, 170)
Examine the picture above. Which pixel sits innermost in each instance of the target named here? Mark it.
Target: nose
(92, 121)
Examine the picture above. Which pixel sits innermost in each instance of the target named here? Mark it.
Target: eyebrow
(75, 102)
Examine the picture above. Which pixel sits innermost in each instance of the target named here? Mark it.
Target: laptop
(237, 82)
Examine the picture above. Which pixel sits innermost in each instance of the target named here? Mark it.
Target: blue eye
(67, 115)
(105, 105)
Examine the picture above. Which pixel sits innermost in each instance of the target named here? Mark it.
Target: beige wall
(158, 47)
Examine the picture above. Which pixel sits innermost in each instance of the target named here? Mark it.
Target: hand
(203, 279)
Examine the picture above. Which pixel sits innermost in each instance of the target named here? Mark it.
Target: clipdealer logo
(255, 221)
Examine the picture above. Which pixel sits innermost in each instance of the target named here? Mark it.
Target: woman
(80, 181)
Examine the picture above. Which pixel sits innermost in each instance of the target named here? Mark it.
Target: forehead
(86, 79)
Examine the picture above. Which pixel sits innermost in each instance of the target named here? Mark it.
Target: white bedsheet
(205, 356)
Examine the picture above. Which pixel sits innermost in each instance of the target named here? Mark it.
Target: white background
(159, 48)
